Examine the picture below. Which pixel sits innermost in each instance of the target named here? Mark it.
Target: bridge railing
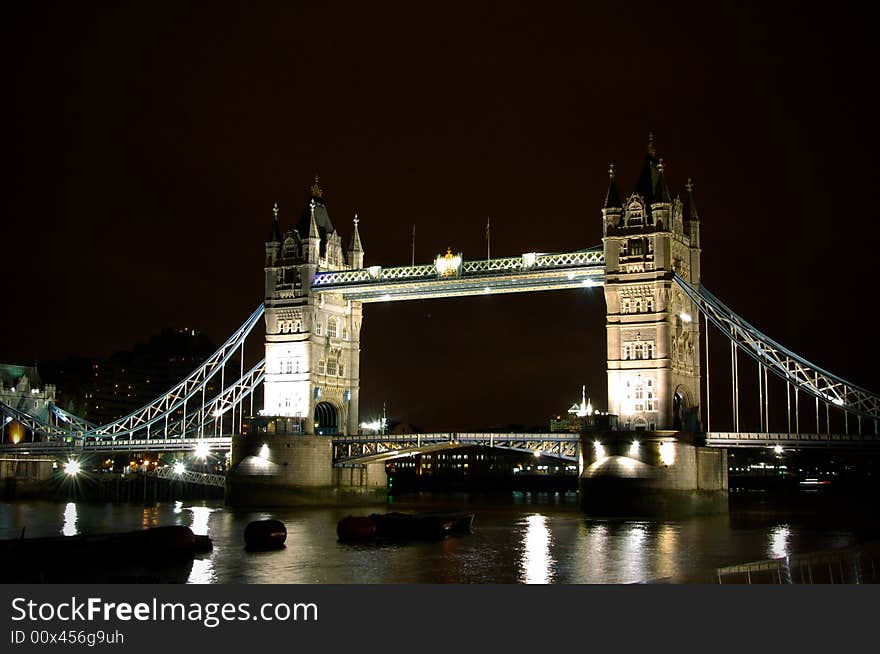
(558, 444)
(529, 261)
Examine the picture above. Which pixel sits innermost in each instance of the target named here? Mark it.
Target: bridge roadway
(376, 447)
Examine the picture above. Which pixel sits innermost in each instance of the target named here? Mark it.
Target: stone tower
(312, 339)
(653, 328)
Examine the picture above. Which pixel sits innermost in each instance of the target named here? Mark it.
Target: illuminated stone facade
(652, 327)
(22, 389)
(312, 340)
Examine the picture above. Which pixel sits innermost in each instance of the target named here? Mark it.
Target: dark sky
(145, 144)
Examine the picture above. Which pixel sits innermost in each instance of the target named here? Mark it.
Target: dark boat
(155, 555)
(262, 535)
(428, 526)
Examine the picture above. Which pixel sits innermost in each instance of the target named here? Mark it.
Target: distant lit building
(580, 415)
(22, 388)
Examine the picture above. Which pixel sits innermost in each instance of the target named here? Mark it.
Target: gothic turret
(661, 203)
(273, 243)
(613, 208)
(355, 249)
(689, 212)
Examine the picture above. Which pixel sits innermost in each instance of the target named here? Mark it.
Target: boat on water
(400, 526)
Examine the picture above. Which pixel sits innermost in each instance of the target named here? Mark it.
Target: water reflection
(70, 520)
(200, 518)
(536, 560)
(523, 542)
(780, 537)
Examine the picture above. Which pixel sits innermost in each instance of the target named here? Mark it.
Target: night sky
(145, 145)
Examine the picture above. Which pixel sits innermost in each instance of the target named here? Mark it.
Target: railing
(852, 565)
(761, 439)
(202, 478)
(386, 446)
(530, 261)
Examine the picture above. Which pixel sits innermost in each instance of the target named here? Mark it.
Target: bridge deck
(384, 446)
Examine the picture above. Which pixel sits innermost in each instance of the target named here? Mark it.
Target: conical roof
(612, 197)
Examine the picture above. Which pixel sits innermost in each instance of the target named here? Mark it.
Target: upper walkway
(451, 276)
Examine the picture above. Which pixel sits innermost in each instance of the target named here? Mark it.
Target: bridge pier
(297, 470)
(652, 474)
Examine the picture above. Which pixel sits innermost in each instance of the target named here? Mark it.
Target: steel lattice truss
(531, 271)
(228, 399)
(166, 409)
(795, 370)
(380, 447)
(167, 404)
(202, 478)
(33, 423)
(76, 423)
(100, 447)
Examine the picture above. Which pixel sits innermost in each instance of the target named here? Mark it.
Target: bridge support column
(652, 474)
(363, 481)
(296, 470)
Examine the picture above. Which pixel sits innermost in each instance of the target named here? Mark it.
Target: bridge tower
(312, 340)
(653, 329)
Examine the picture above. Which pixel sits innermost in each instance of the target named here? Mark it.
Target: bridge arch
(326, 417)
(684, 410)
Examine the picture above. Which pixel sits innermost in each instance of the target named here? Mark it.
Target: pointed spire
(652, 151)
(275, 232)
(356, 238)
(313, 225)
(661, 191)
(316, 189)
(612, 197)
(690, 206)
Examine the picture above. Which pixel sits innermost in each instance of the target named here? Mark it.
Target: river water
(517, 538)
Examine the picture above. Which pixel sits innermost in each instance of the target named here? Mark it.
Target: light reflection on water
(536, 561)
(779, 539)
(70, 527)
(521, 541)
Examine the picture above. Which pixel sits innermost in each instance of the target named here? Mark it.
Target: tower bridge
(658, 318)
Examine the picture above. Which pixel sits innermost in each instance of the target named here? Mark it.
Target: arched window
(289, 366)
(321, 367)
(639, 305)
(341, 369)
(649, 307)
(317, 327)
(331, 366)
(331, 327)
(298, 326)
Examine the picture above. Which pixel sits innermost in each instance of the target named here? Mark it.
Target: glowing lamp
(179, 468)
(72, 468)
(448, 264)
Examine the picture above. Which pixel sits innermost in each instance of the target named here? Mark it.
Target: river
(517, 538)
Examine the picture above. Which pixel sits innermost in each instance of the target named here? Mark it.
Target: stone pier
(651, 474)
(297, 470)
